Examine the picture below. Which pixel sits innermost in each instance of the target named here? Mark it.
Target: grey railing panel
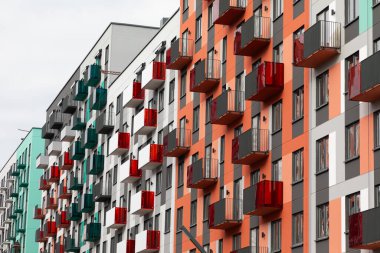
(370, 76)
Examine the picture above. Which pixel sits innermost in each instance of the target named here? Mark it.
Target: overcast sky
(41, 44)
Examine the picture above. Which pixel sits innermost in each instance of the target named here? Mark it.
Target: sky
(42, 42)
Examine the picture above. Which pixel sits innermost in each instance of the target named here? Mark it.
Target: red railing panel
(153, 239)
(137, 92)
(159, 70)
(150, 117)
(356, 229)
(147, 200)
(168, 56)
(120, 215)
(298, 49)
(156, 153)
(131, 246)
(354, 82)
(123, 140)
(134, 168)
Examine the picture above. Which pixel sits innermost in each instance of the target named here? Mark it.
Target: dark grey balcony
(225, 214)
(56, 120)
(177, 142)
(227, 108)
(180, 54)
(69, 105)
(46, 132)
(203, 173)
(205, 76)
(228, 12)
(105, 123)
(102, 193)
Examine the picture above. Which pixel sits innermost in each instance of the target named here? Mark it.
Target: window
(352, 141)
(167, 221)
(277, 8)
(377, 195)
(254, 239)
(277, 170)
(115, 175)
(276, 236)
(277, 117)
(322, 221)
(298, 104)
(353, 203)
(183, 85)
(377, 129)
(185, 5)
(255, 177)
(193, 213)
(323, 154)
(169, 177)
(179, 218)
(118, 104)
(210, 16)
(222, 149)
(198, 28)
(161, 97)
(208, 109)
(180, 174)
(160, 137)
(278, 53)
(157, 222)
(376, 45)
(206, 203)
(171, 91)
(236, 241)
(352, 10)
(297, 228)
(196, 119)
(158, 182)
(220, 246)
(297, 165)
(224, 50)
(322, 89)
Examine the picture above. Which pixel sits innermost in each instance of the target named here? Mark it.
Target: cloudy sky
(43, 41)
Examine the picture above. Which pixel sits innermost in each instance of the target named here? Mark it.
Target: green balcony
(71, 245)
(75, 184)
(90, 139)
(81, 91)
(14, 171)
(13, 192)
(21, 165)
(93, 75)
(19, 209)
(20, 229)
(100, 99)
(78, 122)
(77, 152)
(74, 214)
(13, 214)
(97, 165)
(87, 204)
(23, 182)
(93, 231)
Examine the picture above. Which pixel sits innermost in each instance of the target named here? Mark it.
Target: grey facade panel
(298, 8)
(182, 102)
(297, 190)
(297, 205)
(351, 31)
(352, 115)
(180, 192)
(193, 193)
(185, 15)
(237, 172)
(198, 45)
(297, 128)
(376, 15)
(322, 115)
(277, 31)
(224, 71)
(198, 8)
(276, 139)
(276, 153)
(352, 169)
(178, 246)
(208, 137)
(376, 158)
(239, 64)
(196, 99)
(210, 38)
(257, 4)
(206, 233)
(298, 77)
(221, 174)
(322, 246)
(322, 181)
(322, 197)
(254, 221)
(376, 31)
(297, 249)
(193, 230)
(255, 108)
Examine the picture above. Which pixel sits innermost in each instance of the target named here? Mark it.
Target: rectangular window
(183, 85)
(171, 91)
(377, 195)
(161, 98)
(323, 154)
(277, 170)
(206, 203)
(222, 149)
(210, 16)
(167, 221)
(278, 53)
(158, 182)
(180, 174)
(208, 109)
(297, 228)
(115, 174)
(169, 177)
(377, 129)
(118, 104)
(224, 50)
(277, 8)
(255, 177)
(297, 165)
(193, 213)
(353, 203)
(276, 236)
(352, 141)
(352, 10)
(236, 241)
(322, 89)
(198, 28)
(196, 119)
(185, 5)
(179, 218)
(220, 246)
(277, 117)
(298, 104)
(254, 240)
(160, 137)
(322, 221)
(157, 222)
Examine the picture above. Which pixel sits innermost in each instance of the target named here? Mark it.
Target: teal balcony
(90, 138)
(97, 165)
(14, 171)
(23, 182)
(74, 214)
(75, 183)
(87, 204)
(100, 100)
(92, 75)
(21, 165)
(78, 120)
(77, 152)
(81, 91)
(93, 231)
(71, 245)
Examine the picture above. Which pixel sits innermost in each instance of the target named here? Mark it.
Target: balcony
(180, 54)
(65, 163)
(126, 246)
(93, 231)
(80, 91)
(87, 204)
(228, 12)
(102, 192)
(119, 143)
(71, 245)
(97, 164)
(54, 174)
(69, 106)
(59, 248)
(142, 203)
(74, 214)
(39, 213)
(364, 230)
(90, 138)
(263, 198)
(203, 173)
(92, 75)
(100, 100)
(253, 37)
(56, 120)
(264, 82)
(252, 249)
(364, 81)
(40, 236)
(116, 217)
(225, 214)
(46, 132)
(21, 165)
(62, 221)
(44, 184)
(147, 241)
(227, 108)
(78, 122)
(153, 76)
(133, 95)
(54, 148)
(63, 192)
(250, 147)
(23, 181)
(14, 171)
(177, 142)
(205, 76)
(319, 44)
(50, 229)
(67, 134)
(129, 171)
(51, 202)
(145, 122)
(151, 156)
(19, 208)
(105, 123)
(77, 152)
(75, 183)
(42, 161)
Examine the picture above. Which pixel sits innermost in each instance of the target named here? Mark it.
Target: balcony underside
(145, 130)
(228, 118)
(254, 47)
(226, 225)
(177, 152)
(134, 102)
(154, 84)
(206, 85)
(251, 158)
(318, 58)
(229, 17)
(180, 63)
(102, 198)
(369, 246)
(203, 184)
(370, 95)
(142, 211)
(150, 166)
(262, 211)
(131, 179)
(148, 250)
(265, 94)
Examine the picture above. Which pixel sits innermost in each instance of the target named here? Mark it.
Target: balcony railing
(151, 156)
(228, 12)
(14, 171)
(65, 162)
(205, 76)
(39, 213)
(252, 249)
(40, 236)
(62, 221)
(364, 81)
(71, 245)
(133, 95)
(180, 54)
(319, 44)
(153, 76)
(80, 91)
(147, 241)
(54, 148)
(116, 217)
(253, 36)
(225, 214)
(44, 184)
(100, 99)
(42, 161)
(75, 182)
(50, 229)
(145, 122)
(90, 138)
(93, 231)
(129, 171)
(77, 152)
(250, 147)
(59, 248)
(20, 165)
(69, 105)
(78, 122)
(74, 213)
(126, 246)
(46, 132)
(56, 120)
(87, 204)
(263, 198)
(51, 202)
(54, 174)
(203, 173)
(63, 192)
(227, 108)
(92, 75)
(264, 82)
(142, 202)
(67, 134)
(102, 192)
(119, 143)
(177, 142)
(105, 122)
(97, 164)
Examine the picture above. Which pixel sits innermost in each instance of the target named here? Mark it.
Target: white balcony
(145, 122)
(67, 135)
(150, 157)
(133, 95)
(116, 217)
(147, 241)
(142, 202)
(119, 143)
(54, 148)
(129, 172)
(153, 75)
(42, 161)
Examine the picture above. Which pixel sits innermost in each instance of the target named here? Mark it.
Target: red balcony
(250, 147)
(40, 236)
(151, 156)
(63, 192)
(153, 76)
(44, 184)
(147, 241)
(205, 76)
(227, 12)
(131, 246)
(203, 173)
(66, 162)
(119, 143)
(180, 54)
(54, 174)
(133, 95)
(145, 122)
(142, 202)
(51, 203)
(225, 214)
(263, 198)
(62, 221)
(39, 213)
(177, 142)
(116, 217)
(50, 229)
(227, 108)
(265, 82)
(129, 171)
(126, 246)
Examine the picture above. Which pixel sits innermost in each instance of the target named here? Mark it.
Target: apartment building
(19, 194)
(281, 101)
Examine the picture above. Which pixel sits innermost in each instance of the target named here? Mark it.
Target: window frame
(198, 28)
(355, 141)
(196, 112)
(322, 215)
(298, 157)
(274, 117)
(297, 224)
(322, 93)
(276, 236)
(167, 221)
(298, 104)
(193, 213)
(322, 141)
(171, 91)
(278, 9)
